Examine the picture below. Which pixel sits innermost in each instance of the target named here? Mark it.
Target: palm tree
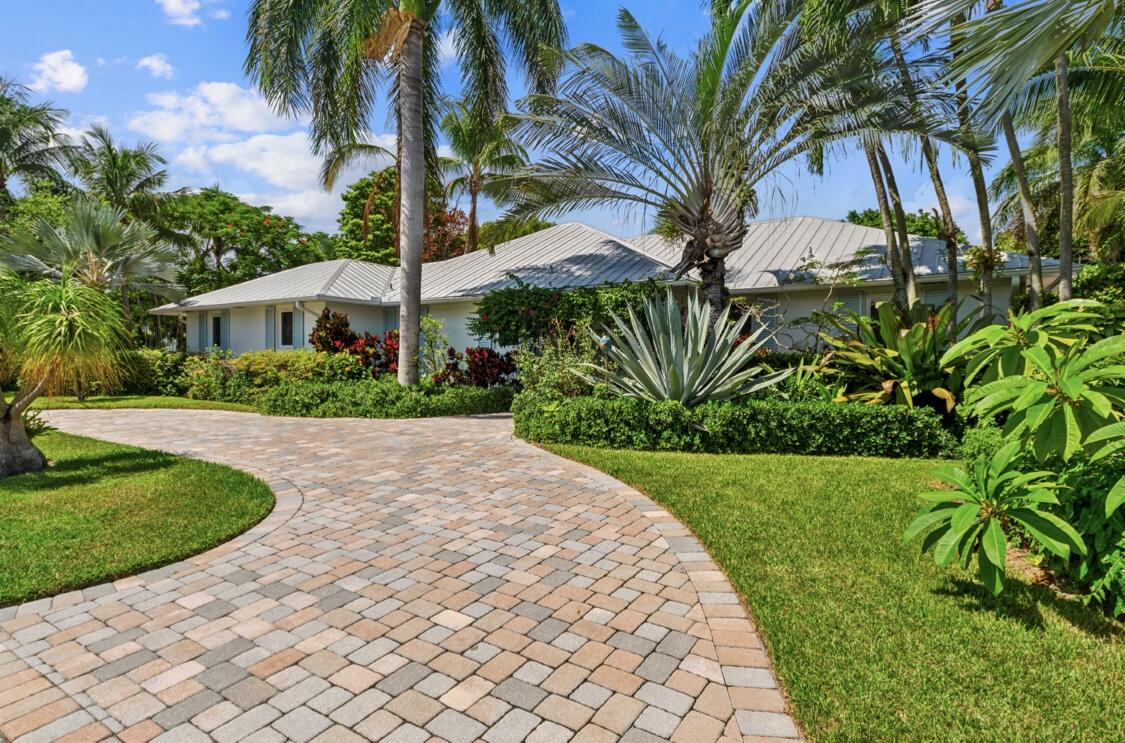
(483, 155)
(129, 179)
(31, 148)
(1012, 52)
(98, 248)
(692, 138)
(54, 335)
(327, 58)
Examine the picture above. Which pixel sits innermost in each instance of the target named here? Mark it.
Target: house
(793, 267)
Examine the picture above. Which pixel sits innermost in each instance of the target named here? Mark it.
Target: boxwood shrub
(383, 398)
(744, 427)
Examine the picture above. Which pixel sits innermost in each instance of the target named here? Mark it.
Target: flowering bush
(477, 367)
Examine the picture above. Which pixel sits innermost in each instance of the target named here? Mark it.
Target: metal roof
(572, 255)
(775, 252)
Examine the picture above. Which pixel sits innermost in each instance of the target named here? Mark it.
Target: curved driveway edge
(432, 579)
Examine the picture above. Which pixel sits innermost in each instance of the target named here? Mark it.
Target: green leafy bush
(981, 441)
(242, 379)
(659, 355)
(150, 371)
(523, 314)
(550, 367)
(381, 398)
(743, 427)
(1104, 282)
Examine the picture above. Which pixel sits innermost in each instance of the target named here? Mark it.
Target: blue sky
(171, 71)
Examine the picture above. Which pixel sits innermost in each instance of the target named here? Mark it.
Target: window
(287, 328)
(217, 331)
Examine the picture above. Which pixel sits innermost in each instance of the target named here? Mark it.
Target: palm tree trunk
(930, 156)
(411, 208)
(1030, 226)
(980, 188)
(712, 275)
(904, 256)
(1066, 180)
(888, 229)
(473, 237)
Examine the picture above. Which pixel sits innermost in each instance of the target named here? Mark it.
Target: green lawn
(107, 402)
(105, 510)
(872, 640)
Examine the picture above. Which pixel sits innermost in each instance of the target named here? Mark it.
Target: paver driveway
(418, 580)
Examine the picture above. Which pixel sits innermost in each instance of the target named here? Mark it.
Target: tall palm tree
(327, 58)
(690, 138)
(53, 335)
(99, 248)
(483, 154)
(1010, 53)
(31, 148)
(129, 179)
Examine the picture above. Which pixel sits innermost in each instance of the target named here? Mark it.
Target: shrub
(744, 427)
(477, 367)
(549, 367)
(382, 398)
(981, 441)
(150, 371)
(332, 332)
(524, 314)
(242, 379)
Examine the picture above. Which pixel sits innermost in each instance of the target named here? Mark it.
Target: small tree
(53, 336)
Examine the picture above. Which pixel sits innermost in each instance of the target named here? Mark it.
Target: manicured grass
(106, 510)
(108, 402)
(871, 639)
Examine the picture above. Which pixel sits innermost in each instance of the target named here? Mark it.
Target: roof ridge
(335, 275)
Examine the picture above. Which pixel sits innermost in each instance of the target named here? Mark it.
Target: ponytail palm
(328, 58)
(691, 139)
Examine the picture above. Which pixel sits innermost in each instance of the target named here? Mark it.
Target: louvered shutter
(271, 313)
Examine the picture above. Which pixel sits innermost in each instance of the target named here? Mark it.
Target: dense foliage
(920, 223)
(524, 314)
(382, 398)
(477, 367)
(751, 426)
(244, 378)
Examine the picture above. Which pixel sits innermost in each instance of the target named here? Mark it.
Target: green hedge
(382, 399)
(746, 427)
(246, 377)
(152, 371)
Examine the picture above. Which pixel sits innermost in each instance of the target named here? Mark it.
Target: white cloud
(219, 14)
(283, 160)
(58, 71)
(447, 49)
(157, 66)
(193, 159)
(212, 111)
(314, 208)
(181, 12)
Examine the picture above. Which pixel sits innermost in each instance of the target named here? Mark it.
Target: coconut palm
(1012, 53)
(327, 58)
(99, 248)
(54, 335)
(129, 179)
(483, 154)
(691, 138)
(31, 148)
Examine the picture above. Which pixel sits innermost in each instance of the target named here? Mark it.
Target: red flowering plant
(477, 367)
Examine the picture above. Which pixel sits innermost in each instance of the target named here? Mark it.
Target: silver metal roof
(565, 256)
(775, 251)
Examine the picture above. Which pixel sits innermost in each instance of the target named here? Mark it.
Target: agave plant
(659, 356)
(996, 351)
(970, 519)
(1065, 395)
(899, 357)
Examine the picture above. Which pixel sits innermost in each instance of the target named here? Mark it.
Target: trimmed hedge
(745, 427)
(381, 399)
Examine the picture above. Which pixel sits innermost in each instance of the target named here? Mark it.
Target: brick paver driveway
(418, 580)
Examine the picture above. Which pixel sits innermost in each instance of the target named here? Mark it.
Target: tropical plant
(1064, 396)
(482, 154)
(53, 335)
(658, 356)
(997, 350)
(31, 147)
(1105, 442)
(970, 520)
(690, 138)
(98, 247)
(500, 231)
(898, 356)
(129, 179)
(327, 58)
